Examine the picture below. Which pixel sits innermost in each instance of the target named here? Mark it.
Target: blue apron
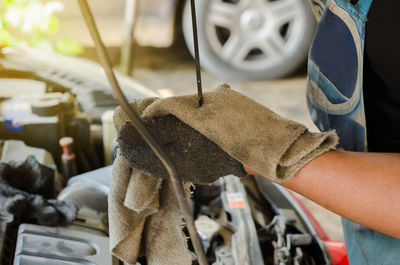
(335, 101)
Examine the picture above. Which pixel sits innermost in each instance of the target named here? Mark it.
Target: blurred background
(259, 50)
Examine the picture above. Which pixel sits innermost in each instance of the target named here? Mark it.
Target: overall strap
(363, 6)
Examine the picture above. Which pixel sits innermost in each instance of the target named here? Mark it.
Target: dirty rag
(197, 158)
(248, 131)
(144, 216)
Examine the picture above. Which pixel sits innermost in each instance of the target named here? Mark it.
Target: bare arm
(363, 187)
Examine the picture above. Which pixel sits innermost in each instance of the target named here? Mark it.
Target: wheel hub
(252, 20)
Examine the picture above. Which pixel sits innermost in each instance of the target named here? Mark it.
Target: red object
(336, 249)
(337, 252)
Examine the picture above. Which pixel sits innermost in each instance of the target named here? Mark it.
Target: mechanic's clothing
(248, 131)
(335, 100)
(318, 7)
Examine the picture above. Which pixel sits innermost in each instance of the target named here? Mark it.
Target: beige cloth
(145, 219)
(144, 216)
(249, 132)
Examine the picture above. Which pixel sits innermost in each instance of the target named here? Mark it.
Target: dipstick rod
(196, 54)
(166, 161)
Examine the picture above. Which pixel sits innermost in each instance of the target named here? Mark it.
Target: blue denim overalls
(335, 101)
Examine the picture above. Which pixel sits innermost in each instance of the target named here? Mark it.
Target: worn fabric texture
(197, 158)
(249, 132)
(145, 219)
(144, 216)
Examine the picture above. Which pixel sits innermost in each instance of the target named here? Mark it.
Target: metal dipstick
(196, 54)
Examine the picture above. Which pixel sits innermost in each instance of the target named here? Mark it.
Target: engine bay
(240, 222)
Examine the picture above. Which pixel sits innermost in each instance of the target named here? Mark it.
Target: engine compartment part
(61, 246)
(244, 246)
(18, 86)
(108, 134)
(89, 191)
(67, 159)
(99, 179)
(40, 120)
(27, 69)
(14, 150)
(238, 226)
(207, 228)
(63, 73)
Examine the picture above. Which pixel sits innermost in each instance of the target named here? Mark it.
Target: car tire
(259, 47)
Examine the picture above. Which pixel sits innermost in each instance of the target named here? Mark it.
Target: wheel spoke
(223, 14)
(282, 5)
(273, 46)
(284, 10)
(235, 49)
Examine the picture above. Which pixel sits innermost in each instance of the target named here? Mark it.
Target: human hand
(249, 132)
(246, 131)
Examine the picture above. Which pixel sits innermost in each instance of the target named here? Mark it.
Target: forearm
(363, 187)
